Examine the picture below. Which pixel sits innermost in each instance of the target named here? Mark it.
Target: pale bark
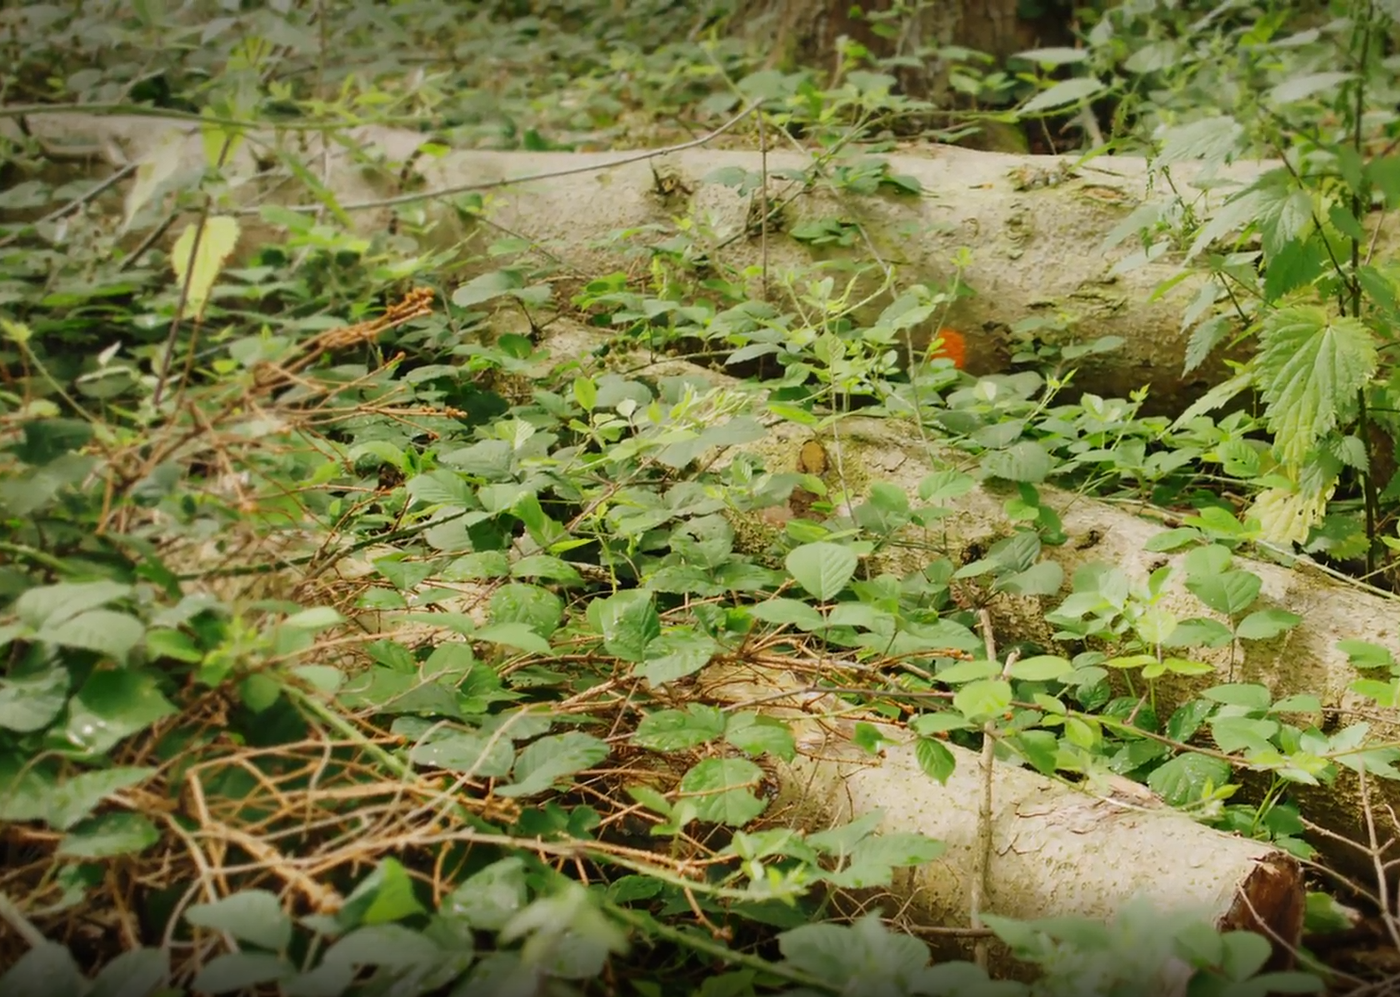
(1035, 231)
(1056, 851)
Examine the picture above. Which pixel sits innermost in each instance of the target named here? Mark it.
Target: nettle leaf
(490, 898)
(1284, 212)
(136, 973)
(676, 654)
(1072, 91)
(32, 702)
(628, 622)
(1182, 780)
(679, 730)
(1215, 139)
(252, 916)
(109, 835)
(1230, 592)
(1025, 461)
(1310, 368)
(550, 759)
(77, 797)
(49, 969)
(822, 568)
(1301, 87)
(755, 734)
(721, 790)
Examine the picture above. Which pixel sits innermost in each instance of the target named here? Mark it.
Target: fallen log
(1055, 851)
(1035, 226)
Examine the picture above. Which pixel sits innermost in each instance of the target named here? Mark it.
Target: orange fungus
(951, 344)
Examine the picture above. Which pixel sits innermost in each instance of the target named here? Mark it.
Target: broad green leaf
(1215, 139)
(1311, 367)
(550, 759)
(755, 734)
(252, 916)
(517, 635)
(239, 972)
(822, 568)
(721, 790)
(460, 751)
(385, 896)
(1300, 87)
(54, 605)
(676, 654)
(491, 897)
(628, 623)
(782, 610)
(1071, 91)
(103, 631)
(112, 705)
(198, 256)
(1231, 592)
(679, 730)
(47, 969)
(1267, 623)
(1024, 461)
(78, 796)
(134, 973)
(983, 699)
(31, 702)
(1363, 654)
(109, 835)
(1182, 780)
(1040, 668)
(935, 759)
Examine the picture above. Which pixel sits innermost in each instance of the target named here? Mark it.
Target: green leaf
(676, 654)
(721, 790)
(47, 969)
(1071, 91)
(103, 631)
(78, 796)
(550, 759)
(1024, 461)
(135, 973)
(31, 702)
(236, 972)
(679, 730)
(487, 286)
(1267, 623)
(1182, 780)
(252, 916)
(384, 896)
(1040, 668)
(1364, 654)
(53, 605)
(1297, 88)
(983, 699)
(754, 734)
(822, 568)
(109, 835)
(1214, 139)
(517, 635)
(782, 611)
(460, 751)
(1311, 367)
(113, 705)
(628, 623)
(1231, 592)
(491, 897)
(935, 759)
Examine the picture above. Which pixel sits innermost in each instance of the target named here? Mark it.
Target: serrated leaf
(1025, 461)
(677, 654)
(235, 972)
(1215, 139)
(109, 835)
(1301, 87)
(135, 973)
(252, 916)
(1071, 91)
(49, 969)
(491, 897)
(516, 635)
(197, 266)
(679, 730)
(935, 759)
(78, 796)
(546, 761)
(721, 790)
(1182, 779)
(822, 568)
(1310, 368)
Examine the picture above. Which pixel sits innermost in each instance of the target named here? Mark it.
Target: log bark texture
(1055, 850)
(1034, 227)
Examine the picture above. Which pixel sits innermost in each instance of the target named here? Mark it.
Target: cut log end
(1271, 902)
